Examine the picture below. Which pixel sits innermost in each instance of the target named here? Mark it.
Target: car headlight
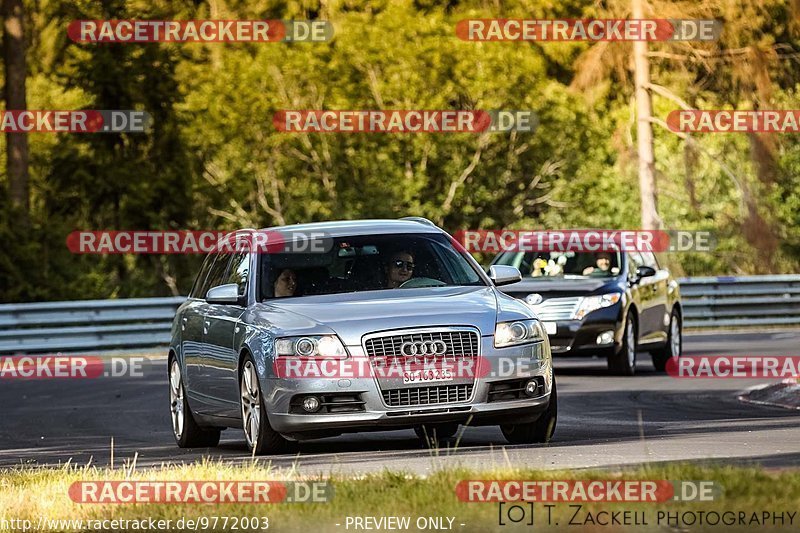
(518, 332)
(310, 346)
(593, 303)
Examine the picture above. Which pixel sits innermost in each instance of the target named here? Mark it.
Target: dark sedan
(608, 303)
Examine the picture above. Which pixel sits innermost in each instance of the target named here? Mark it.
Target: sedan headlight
(593, 303)
(311, 346)
(518, 332)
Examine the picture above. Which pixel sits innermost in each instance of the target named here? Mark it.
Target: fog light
(531, 387)
(311, 404)
(607, 337)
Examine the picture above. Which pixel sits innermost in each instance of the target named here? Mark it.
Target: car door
(197, 365)
(192, 336)
(658, 286)
(221, 326)
(643, 295)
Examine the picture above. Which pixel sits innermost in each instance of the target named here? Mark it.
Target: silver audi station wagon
(364, 296)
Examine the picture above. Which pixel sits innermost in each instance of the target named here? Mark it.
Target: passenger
(539, 266)
(399, 269)
(603, 262)
(285, 283)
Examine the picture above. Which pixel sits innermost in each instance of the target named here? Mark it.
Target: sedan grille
(557, 308)
(460, 343)
(427, 395)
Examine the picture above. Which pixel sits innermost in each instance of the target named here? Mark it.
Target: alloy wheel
(675, 336)
(251, 404)
(630, 341)
(176, 399)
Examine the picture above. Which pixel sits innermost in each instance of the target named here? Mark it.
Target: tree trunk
(690, 156)
(15, 72)
(644, 130)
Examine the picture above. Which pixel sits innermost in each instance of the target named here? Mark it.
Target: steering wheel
(414, 283)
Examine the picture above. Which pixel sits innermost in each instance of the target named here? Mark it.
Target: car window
(452, 261)
(566, 265)
(636, 261)
(216, 276)
(199, 281)
(649, 259)
(365, 263)
(239, 271)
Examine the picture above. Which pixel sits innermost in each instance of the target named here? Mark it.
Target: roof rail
(421, 220)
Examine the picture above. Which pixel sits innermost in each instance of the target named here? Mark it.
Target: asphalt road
(604, 421)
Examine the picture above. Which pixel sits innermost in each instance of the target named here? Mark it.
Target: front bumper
(506, 365)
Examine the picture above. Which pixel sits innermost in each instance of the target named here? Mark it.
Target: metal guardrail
(86, 325)
(142, 323)
(741, 301)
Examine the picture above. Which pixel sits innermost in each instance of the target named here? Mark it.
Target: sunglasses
(399, 264)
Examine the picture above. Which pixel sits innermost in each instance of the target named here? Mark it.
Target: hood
(559, 287)
(352, 315)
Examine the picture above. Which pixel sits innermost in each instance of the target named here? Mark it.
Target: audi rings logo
(423, 348)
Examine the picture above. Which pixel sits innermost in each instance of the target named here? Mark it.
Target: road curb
(784, 394)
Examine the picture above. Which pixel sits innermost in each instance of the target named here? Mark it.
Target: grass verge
(42, 494)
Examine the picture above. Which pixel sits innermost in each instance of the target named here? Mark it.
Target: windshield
(563, 265)
(367, 263)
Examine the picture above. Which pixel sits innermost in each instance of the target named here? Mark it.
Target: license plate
(427, 376)
(550, 328)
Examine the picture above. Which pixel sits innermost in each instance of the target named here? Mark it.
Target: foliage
(214, 160)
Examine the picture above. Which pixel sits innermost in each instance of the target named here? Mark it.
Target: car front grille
(427, 395)
(557, 308)
(460, 343)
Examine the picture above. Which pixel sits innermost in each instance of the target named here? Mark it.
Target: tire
(260, 437)
(432, 434)
(674, 346)
(541, 430)
(187, 433)
(623, 362)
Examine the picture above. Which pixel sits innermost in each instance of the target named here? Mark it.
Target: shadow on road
(596, 409)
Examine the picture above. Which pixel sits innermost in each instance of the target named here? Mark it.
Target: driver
(603, 262)
(399, 269)
(285, 284)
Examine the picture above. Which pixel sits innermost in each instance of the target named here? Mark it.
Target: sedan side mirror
(504, 274)
(645, 272)
(227, 294)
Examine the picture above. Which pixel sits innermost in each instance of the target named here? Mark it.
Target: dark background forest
(213, 160)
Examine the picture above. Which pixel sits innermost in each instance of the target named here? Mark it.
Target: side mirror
(504, 274)
(224, 294)
(645, 272)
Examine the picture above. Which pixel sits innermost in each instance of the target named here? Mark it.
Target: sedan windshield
(366, 263)
(563, 265)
